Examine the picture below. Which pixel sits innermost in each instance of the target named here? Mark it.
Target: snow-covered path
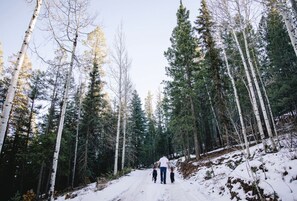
(138, 186)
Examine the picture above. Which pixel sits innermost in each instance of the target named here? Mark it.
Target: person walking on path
(163, 162)
(155, 173)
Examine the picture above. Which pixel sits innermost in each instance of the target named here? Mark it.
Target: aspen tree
(121, 62)
(243, 127)
(225, 9)
(127, 91)
(12, 87)
(252, 68)
(72, 17)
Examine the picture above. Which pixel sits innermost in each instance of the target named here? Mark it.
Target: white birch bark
(268, 102)
(13, 84)
(253, 99)
(120, 59)
(61, 123)
(124, 131)
(291, 28)
(116, 156)
(211, 106)
(76, 136)
(243, 128)
(254, 77)
(125, 106)
(66, 20)
(251, 90)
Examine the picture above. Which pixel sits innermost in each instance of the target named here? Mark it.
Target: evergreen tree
(151, 129)
(182, 68)
(136, 133)
(282, 69)
(213, 65)
(91, 126)
(15, 142)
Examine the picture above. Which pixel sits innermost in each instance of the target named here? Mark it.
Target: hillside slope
(231, 176)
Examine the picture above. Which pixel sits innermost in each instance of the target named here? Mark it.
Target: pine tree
(15, 144)
(136, 132)
(151, 129)
(214, 66)
(181, 56)
(282, 69)
(91, 124)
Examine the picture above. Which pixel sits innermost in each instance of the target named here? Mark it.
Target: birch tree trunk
(267, 100)
(259, 93)
(212, 108)
(251, 90)
(13, 84)
(120, 59)
(61, 123)
(243, 128)
(124, 131)
(289, 24)
(116, 156)
(76, 136)
(125, 106)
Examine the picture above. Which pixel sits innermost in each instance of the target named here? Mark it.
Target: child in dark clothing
(155, 173)
(172, 174)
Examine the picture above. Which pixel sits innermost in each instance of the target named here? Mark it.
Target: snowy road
(143, 189)
(138, 186)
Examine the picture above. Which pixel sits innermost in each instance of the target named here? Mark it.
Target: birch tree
(289, 20)
(246, 60)
(70, 16)
(79, 93)
(243, 127)
(245, 5)
(121, 62)
(12, 87)
(126, 94)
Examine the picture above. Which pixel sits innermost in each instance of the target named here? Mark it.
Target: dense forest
(232, 79)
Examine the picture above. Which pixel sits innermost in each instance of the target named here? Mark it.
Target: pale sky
(147, 24)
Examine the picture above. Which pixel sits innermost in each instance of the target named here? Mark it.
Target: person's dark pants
(163, 175)
(172, 177)
(155, 175)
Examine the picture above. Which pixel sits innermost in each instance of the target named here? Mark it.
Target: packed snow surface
(226, 177)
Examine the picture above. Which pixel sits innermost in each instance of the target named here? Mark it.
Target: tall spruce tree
(15, 141)
(283, 65)
(181, 69)
(136, 132)
(213, 65)
(151, 129)
(91, 126)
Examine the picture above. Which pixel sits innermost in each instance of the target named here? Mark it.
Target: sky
(147, 26)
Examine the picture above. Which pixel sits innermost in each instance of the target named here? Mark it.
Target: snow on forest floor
(225, 177)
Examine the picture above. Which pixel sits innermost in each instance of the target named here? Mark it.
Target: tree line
(232, 74)
(229, 80)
